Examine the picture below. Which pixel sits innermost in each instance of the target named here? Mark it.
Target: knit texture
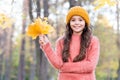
(82, 70)
(79, 11)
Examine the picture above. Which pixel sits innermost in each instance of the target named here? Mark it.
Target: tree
(2, 51)
(6, 39)
(31, 51)
(8, 53)
(44, 62)
(37, 46)
(72, 3)
(118, 37)
(21, 68)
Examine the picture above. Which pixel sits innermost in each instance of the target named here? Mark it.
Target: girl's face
(77, 24)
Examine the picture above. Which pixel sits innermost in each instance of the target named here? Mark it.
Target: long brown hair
(85, 41)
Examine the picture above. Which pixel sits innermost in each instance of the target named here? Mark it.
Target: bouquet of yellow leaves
(39, 27)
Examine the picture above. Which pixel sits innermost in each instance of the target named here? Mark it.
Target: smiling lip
(76, 26)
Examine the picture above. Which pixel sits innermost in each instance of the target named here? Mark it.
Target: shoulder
(94, 44)
(94, 40)
(60, 40)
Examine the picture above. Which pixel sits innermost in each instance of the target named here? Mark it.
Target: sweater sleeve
(54, 57)
(87, 65)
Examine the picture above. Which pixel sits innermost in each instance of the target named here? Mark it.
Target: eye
(72, 19)
(80, 19)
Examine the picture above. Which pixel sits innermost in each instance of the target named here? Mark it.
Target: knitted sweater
(82, 70)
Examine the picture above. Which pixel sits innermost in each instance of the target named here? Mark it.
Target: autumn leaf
(39, 27)
(101, 3)
(5, 21)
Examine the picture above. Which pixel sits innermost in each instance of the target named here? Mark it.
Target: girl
(77, 52)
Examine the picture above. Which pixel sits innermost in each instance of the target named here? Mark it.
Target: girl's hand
(43, 40)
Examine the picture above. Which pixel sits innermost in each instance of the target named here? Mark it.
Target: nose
(77, 22)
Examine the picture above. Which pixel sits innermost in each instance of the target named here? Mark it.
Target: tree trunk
(118, 72)
(118, 38)
(57, 27)
(30, 10)
(8, 53)
(46, 7)
(33, 62)
(72, 3)
(1, 66)
(33, 55)
(38, 50)
(79, 2)
(2, 51)
(44, 62)
(21, 68)
(39, 58)
(38, 9)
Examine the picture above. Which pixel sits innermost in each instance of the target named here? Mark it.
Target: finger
(41, 35)
(41, 42)
(41, 38)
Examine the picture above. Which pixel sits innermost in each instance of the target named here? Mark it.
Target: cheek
(83, 22)
(83, 25)
(71, 23)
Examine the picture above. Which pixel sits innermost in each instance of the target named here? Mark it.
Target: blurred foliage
(101, 3)
(108, 63)
(5, 21)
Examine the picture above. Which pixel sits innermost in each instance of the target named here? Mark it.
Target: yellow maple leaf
(39, 27)
(5, 21)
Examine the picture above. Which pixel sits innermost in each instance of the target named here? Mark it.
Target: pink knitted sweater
(82, 70)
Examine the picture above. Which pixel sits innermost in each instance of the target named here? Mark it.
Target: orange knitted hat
(77, 10)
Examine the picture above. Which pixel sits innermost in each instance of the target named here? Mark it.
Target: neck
(79, 33)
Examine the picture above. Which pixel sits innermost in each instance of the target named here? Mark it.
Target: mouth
(76, 27)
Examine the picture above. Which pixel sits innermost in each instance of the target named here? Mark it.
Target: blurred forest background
(22, 59)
